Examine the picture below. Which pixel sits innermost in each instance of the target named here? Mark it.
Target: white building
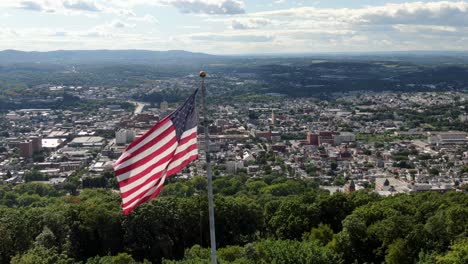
(234, 166)
(124, 136)
(164, 106)
(344, 137)
(90, 142)
(448, 138)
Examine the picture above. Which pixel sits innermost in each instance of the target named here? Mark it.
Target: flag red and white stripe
(160, 153)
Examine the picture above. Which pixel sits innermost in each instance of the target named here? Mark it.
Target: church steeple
(352, 186)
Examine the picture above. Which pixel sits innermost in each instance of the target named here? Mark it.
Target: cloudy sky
(235, 26)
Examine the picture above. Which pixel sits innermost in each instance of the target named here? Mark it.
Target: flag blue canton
(185, 117)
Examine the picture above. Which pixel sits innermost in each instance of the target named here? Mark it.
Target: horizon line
(254, 54)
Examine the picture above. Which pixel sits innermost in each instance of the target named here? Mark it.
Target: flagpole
(208, 171)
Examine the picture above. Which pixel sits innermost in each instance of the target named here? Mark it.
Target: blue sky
(234, 26)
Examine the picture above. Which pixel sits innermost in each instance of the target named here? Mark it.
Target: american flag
(161, 152)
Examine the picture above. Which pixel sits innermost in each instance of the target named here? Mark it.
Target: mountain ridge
(140, 56)
(102, 55)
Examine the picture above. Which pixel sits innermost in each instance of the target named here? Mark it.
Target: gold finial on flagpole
(202, 74)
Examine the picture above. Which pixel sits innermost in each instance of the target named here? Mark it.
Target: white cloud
(120, 24)
(232, 37)
(190, 27)
(53, 6)
(438, 13)
(211, 7)
(424, 28)
(272, 35)
(146, 18)
(6, 33)
(60, 34)
(30, 5)
(67, 6)
(249, 23)
(82, 5)
(442, 13)
(409, 26)
(95, 38)
(125, 7)
(222, 26)
(207, 7)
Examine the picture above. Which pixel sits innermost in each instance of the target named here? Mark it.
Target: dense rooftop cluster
(418, 141)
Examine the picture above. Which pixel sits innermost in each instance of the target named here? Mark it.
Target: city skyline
(234, 26)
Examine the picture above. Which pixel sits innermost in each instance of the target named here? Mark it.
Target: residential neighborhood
(374, 141)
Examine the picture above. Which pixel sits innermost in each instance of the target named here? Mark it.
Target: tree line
(262, 220)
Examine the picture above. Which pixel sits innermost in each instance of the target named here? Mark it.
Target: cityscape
(303, 139)
(233, 132)
(350, 140)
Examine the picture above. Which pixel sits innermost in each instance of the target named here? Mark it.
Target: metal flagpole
(208, 171)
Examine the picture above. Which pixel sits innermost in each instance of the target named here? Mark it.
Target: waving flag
(161, 152)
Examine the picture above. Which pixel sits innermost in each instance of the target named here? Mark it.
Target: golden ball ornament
(202, 74)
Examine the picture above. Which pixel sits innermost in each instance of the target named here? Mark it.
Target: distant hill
(90, 56)
(185, 57)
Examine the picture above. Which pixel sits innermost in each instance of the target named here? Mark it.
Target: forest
(258, 220)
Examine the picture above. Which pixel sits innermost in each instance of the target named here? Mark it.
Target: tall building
(463, 118)
(262, 134)
(326, 137)
(164, 106)
(312, 139)
(26, 149)
(330, 137)
(273, 117)
(124, 136)
(36, 143)
(234, 166)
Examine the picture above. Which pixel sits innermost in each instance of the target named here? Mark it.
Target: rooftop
(87, 140)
